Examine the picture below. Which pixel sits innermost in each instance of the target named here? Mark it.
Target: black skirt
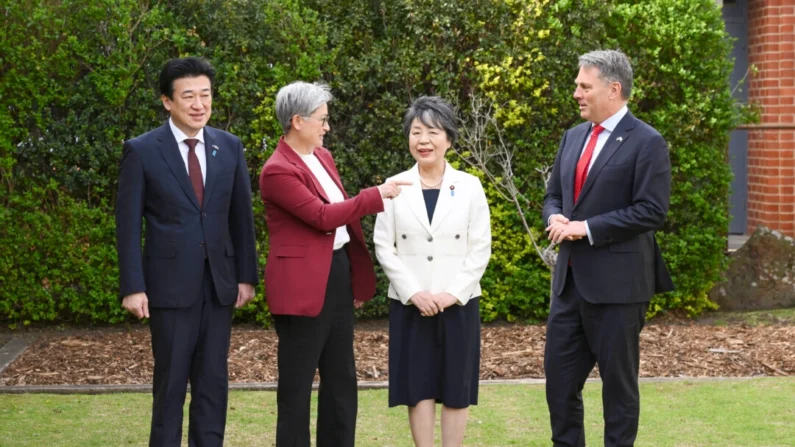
(434, 357)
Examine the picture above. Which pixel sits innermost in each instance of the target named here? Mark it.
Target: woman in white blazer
(434, 243)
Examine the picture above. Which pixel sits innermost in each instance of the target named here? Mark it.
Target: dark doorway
(735, 15)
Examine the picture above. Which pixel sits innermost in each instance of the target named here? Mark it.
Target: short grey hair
(613, 66)
(300, 98)
(432, 111)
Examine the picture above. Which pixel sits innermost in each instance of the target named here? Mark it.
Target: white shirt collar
(611, 123)
(180, 135)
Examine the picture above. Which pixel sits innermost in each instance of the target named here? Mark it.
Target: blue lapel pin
(215, 150)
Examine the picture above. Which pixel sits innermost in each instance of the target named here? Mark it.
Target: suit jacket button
(430, 258)
(458, 236)
(430, 238)
(204, 214)
(404, 236)
(201, 244)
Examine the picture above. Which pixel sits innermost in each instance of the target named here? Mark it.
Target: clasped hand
(431, 304)
(562, 229)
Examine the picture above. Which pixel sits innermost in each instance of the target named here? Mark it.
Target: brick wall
(771, 145)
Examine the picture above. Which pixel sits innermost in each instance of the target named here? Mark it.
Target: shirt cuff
(588, 230)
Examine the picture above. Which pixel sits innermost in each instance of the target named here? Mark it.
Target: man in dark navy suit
(608, 192)
(190, 185)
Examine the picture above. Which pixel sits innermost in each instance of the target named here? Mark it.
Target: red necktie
(585, 161)
(195, 170)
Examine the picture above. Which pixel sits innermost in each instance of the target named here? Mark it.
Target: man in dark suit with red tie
(608, 192)
(190, 184)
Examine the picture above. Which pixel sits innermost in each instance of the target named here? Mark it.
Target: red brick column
(771, 145)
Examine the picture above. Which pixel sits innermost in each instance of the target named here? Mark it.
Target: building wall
(771, 144)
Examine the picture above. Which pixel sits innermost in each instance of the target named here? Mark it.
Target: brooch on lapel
(215, 150)
(452, 190)
(620, 139)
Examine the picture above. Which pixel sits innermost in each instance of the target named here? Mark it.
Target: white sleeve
(479, 248)
(386, 252)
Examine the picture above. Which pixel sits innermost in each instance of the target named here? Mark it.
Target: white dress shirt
(609, 126)
(201, 154)
(341, 237)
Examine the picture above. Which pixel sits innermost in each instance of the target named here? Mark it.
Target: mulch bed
(509, 352)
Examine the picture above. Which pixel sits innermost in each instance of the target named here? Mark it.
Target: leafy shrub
(57, 260)
(77, 78)
(682, 89)
(680, 55)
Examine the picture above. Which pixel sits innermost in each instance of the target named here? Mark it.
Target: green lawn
(758, 412)
(751, 318)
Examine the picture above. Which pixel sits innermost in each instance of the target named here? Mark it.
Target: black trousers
(325, 342)
(191, 344)
(579, 335)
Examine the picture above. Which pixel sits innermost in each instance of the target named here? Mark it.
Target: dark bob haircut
(432, 111)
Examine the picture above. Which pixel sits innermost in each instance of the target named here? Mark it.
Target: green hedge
(78, 78)
(56, 261)
(684, 92)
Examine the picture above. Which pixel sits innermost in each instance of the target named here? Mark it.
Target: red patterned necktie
(195, 170)
(585, 161)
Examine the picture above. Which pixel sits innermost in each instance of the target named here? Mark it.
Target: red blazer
(301, 225)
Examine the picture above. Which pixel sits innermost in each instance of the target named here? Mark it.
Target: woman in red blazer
(318, 269)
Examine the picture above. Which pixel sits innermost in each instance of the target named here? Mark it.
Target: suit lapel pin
(452, 190)
(620, 139)
(215, 150)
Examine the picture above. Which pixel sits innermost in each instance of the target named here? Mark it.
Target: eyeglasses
(323, 121)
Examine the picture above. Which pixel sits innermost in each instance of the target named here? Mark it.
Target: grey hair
(613, 66)
(300, 98)
(432, 111)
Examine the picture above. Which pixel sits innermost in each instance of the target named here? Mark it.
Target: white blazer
(449, 255)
